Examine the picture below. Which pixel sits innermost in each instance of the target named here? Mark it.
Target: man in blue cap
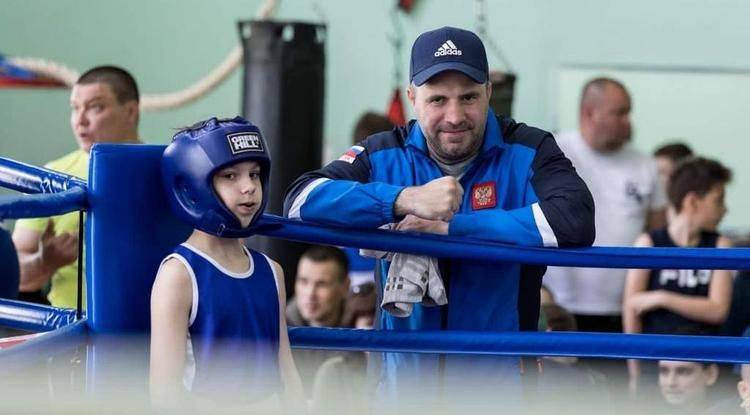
(458, 169)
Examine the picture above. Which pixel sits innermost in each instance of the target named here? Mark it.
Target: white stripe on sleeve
(548, 236)
(294, 211)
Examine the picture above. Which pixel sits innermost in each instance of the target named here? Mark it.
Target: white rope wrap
(155, 102)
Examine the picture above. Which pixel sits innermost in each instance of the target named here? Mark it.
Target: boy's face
(239, 188)
(710, 208)
(665, 167)
(685, 383)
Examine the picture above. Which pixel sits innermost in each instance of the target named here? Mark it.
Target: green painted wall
(168, 44)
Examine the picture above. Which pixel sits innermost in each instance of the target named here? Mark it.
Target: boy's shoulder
(255, 254)
(174, 264)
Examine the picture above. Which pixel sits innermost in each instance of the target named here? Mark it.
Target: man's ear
(411, 93)
(133, 109)
(489, 89)
(690, 201)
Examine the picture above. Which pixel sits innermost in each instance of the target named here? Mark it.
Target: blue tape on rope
(478, 250)
(601, 345)
(26, 178)
(43, 205)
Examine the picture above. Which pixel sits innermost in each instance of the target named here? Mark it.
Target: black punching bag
(283, 86)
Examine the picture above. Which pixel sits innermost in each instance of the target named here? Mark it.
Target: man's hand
(58, 250)
(416, 224)
(439, 200)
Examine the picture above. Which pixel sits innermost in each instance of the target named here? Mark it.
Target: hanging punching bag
(283, 86)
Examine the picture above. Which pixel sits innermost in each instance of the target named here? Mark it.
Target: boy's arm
(171, 299)
(635, 282)
(712, 309)
(294, 393)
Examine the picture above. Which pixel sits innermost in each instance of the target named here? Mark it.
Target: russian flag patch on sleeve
(350, 155)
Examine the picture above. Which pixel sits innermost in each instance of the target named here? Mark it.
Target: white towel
(412, 279)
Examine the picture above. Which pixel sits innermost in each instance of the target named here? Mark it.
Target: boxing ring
(127, 211)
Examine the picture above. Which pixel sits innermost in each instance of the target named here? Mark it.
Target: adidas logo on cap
(448, 48)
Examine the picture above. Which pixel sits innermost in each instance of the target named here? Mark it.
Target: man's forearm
(34, 272)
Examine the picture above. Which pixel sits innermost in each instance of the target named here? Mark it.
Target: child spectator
(670, 301)
(667, 157)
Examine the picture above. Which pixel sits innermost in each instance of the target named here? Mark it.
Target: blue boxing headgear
(188, 166)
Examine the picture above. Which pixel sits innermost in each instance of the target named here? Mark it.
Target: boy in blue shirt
(217, 326)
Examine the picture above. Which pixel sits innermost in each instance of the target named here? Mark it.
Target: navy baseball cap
(448, 49)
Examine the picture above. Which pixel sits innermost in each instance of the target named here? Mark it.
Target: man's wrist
(402, 204)
(44, 265)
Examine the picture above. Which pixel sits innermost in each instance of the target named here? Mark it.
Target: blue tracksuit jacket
(539, 200)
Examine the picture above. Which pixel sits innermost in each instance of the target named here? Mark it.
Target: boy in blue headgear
(217, 326)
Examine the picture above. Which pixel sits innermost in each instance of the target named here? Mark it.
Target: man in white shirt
(628, 199)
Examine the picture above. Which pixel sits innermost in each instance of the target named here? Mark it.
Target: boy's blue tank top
(234, 327)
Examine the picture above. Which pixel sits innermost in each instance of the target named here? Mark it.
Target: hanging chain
(396, 40)
(481, 28)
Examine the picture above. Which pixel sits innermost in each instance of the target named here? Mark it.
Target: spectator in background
(564, 376)
(738, 318)
(684, 385)
(545, 296)
(8, 266)
(320, 288)
(370, 123)
(320, 291)
(340, 385)
(743, 388)
(104, 108)
(627, 194)
(362, 269)
(669, 301)
(667, 157)
(359, 309)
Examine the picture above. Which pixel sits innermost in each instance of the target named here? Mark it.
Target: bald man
(104, 108)
(628, 196)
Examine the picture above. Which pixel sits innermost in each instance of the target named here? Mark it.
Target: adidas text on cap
(448, 49)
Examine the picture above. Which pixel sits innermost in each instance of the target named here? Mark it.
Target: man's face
(610, 119)
(97, 117)
(685, 383)
(451, 110)
(320, 290)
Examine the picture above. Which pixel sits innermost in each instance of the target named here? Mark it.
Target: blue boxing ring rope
(109, 298)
